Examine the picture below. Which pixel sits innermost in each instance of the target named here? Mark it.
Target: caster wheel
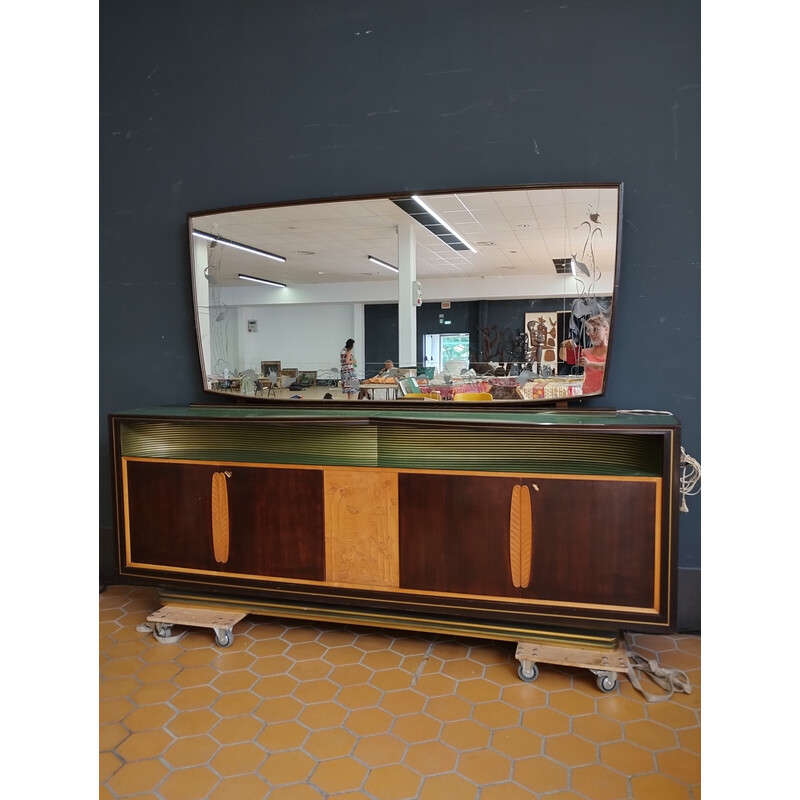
(163, 631)
(605, 683)
(529, 674)
(224, 639)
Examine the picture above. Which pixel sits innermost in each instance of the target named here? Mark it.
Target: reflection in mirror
(507, 291)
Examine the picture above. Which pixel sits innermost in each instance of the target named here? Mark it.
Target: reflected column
(406, 296)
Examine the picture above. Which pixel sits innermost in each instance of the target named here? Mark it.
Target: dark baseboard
(688, 600)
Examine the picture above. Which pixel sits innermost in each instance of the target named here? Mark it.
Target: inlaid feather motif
(520, 536)
(525, 536)
(220, 521)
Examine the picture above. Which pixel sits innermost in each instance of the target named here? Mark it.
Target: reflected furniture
(304, 379)
(424, 516)
(384, 390)
(227, 384)
(554, 388)
(422, 396)
(270, 366)
(271, 383)
(473, 397)
(286, 377)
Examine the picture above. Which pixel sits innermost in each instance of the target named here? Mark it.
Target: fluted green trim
(397, 444)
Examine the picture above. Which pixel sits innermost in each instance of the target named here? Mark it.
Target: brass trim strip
(493, 630)
(518, 601)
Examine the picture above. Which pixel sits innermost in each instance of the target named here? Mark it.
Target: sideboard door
(454, 532)
(234, 519)
(588, 540)
(595, 541)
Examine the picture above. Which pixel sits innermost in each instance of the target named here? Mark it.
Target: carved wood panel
(361, 527)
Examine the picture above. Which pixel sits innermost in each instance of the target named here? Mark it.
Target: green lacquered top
(301, 413)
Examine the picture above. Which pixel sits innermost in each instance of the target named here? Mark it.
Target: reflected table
(385, 391)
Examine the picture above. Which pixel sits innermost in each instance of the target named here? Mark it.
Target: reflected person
(593, 359)
(387, 365)
(347, 363)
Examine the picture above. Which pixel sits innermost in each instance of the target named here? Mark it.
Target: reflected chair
(474, 397)
(249, 380)
(272, 383)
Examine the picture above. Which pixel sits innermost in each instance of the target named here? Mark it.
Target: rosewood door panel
(277, 522)
(454, 533)
(169, 515)
(594, 541)
(249, 520)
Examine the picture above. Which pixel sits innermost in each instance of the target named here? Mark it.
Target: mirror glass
(504, 294)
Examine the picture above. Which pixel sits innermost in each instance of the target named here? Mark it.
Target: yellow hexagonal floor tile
(381, 750)
(339, 775)
(289, 766)
(238, 759)
(393, 782)
(332, 743)
(299, 711)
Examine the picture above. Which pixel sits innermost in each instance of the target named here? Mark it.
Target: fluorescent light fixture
(230, 243)
(382, 263)
(442, 222)
(262, 280)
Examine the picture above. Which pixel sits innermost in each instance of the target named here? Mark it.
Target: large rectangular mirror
(504, 294)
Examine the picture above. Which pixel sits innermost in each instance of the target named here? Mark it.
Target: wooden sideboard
(499, 523)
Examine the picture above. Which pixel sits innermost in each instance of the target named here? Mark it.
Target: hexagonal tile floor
(304, 711)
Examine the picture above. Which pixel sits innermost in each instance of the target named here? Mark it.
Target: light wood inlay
(361, 527)
(526, 537)
(520, 536)
(220, 521)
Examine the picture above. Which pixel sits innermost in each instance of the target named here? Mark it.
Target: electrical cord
(690, 467)
(690, 477)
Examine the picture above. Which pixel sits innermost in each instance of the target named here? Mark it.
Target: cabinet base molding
(597, 640)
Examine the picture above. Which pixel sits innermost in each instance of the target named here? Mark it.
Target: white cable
(690, 467)
(690, 477)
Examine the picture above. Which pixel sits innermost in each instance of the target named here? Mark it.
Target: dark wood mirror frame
(545, 257)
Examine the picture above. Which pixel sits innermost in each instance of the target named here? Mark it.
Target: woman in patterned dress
(348, 365)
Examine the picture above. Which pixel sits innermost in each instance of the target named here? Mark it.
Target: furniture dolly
(221, 620)
(603, 663)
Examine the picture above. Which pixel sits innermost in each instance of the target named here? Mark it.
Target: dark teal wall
(206, 104)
